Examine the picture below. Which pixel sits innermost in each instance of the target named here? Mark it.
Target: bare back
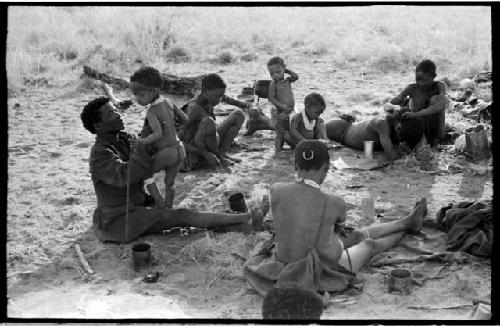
(297, 210)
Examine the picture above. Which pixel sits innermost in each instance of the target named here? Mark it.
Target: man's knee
(238, 117)
(207, 125)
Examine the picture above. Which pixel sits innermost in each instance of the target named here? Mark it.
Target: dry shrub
(247, 57)
(178, 54)
(224, 58)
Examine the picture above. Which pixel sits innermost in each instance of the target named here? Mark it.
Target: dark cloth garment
(469, 226)
(109, 160)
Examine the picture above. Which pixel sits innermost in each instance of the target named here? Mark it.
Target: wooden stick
(83, 261)
(457, 306)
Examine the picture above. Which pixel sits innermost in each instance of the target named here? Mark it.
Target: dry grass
(53, 42)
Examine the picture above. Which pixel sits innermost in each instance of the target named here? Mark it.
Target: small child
(307, 124)
(281, 96)
(427, 101)
(159, 130)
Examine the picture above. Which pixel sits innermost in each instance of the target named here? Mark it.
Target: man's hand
(410, 115)
(342, 229)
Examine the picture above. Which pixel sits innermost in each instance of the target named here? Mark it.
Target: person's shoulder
(440, 85)
(296, 117)
(277, 186)
(336, 201)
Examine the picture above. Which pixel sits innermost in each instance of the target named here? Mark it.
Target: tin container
(237, 203)
(141, 256)
(400, 281)
(368, 147)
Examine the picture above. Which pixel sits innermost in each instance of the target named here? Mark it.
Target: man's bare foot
(416, 217)
(230, 158)
(259, 212)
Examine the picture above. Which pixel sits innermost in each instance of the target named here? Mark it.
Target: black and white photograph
(235, 161)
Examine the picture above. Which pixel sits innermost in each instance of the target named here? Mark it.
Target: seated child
(307, 124)
(207, 142)
(159, 130)
(281, 96)
(292, 303)
(427, 101)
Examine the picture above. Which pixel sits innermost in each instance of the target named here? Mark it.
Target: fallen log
(189, 86)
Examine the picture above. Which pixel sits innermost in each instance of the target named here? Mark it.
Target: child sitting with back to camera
(159, 130)
(281, 96)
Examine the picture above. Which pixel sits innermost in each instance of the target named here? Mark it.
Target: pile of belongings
(469, 227)
(470, 106)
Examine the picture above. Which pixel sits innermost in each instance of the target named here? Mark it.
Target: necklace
(308, 182)
(308, 124)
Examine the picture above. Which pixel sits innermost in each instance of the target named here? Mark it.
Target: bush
(178, 54)
(225, 57)
(247, 57)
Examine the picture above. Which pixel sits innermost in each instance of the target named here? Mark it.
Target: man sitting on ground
(113, 165)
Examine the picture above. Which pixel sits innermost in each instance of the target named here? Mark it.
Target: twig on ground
(457, 306)
(82, 259)
(213, 280)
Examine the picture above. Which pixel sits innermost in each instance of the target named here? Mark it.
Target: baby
(159, 130)
(281, 96)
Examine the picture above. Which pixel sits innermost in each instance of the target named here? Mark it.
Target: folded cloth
(469, 226)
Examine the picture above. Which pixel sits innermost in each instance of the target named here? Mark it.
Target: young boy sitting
(159, 131)
(281, 96)
(307, 124)
(203, 138)
(427, 101)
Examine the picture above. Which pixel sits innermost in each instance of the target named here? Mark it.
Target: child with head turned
(159, 132)
(427, 101)
(281, 96)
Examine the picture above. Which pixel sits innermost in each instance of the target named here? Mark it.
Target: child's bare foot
(416, 217)
(259, 212)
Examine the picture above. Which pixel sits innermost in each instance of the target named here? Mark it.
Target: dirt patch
(51, 199)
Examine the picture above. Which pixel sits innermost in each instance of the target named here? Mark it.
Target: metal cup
(237, 203)
(368, 146)
(400, 281)
(141, 256)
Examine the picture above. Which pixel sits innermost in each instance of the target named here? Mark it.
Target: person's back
(298, 211)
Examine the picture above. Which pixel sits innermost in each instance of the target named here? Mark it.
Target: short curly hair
(426, 66)
(292, 303)
(311, 155)
(91, 113)
(314, 99)
(276, 61)
(212, 81)
(148, 76)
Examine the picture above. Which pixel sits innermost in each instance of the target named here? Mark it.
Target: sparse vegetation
(58, 40)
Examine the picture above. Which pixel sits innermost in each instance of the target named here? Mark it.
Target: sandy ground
(51, 199)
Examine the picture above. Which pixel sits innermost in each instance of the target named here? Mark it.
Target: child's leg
(229, 128)
(170, 175)
(280, 135)
(206, 136)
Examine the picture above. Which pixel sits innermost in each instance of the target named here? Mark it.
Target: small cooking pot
(261, 88)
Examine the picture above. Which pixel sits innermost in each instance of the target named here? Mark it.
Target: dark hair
(426, 66)
(147, 76)
(91, 113)
(311, 155)
(314, 99)
(212, 81)
(276, 61)
(292, 303)
(411, 132)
